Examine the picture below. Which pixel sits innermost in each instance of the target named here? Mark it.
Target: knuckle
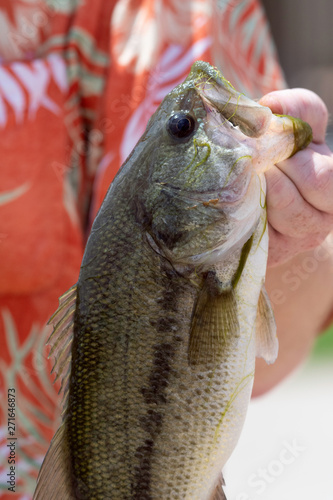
(322, 112)
(315, 112)
(324, 179)
(319, 173)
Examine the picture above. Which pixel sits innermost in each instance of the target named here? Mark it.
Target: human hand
(299, 189)
(300, 216)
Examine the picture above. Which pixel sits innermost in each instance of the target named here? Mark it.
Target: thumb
(300, 103)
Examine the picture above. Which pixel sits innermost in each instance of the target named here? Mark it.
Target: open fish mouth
(244, 120)
(218, 93)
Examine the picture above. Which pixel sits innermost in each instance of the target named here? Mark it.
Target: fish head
(205, 150)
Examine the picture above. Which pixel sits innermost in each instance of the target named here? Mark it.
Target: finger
(289, 213)
(300, 103)
(323, 149)
(312, 173)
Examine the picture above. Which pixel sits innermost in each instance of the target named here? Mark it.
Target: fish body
(156, 343)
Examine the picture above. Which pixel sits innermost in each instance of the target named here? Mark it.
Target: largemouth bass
(156, 343)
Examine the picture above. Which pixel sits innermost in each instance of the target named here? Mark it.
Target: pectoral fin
(267, 344)
(214, 321)
(218, 492)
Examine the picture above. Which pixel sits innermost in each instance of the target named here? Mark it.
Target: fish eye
(181, 125)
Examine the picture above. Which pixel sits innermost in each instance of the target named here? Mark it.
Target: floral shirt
(79, 80)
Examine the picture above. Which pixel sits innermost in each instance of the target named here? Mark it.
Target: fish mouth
(251, 118)
(279, 136)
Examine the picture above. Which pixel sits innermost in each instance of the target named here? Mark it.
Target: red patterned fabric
(79, 80)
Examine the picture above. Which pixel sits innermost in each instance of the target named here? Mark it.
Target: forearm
(301, 293)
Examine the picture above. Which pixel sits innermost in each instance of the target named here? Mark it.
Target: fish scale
(138, 384)
(170, 306)
(148, 387)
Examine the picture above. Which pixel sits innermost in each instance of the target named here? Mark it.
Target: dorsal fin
(54, 480)
(61, 339)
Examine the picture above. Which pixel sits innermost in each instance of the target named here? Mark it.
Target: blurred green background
(324, 346)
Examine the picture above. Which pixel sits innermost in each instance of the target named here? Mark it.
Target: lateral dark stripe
(154, 395)
(173, 289)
